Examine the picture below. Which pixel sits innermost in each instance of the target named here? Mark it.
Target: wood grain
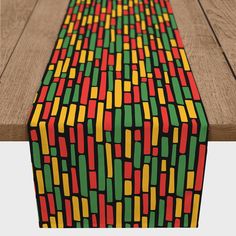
(25, 69)
(22, 76)
(213, 76)
(222, 17)
(14, 16)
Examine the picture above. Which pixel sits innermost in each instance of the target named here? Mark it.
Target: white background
(18, 212)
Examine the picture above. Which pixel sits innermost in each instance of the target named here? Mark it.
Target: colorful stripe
(118, 132)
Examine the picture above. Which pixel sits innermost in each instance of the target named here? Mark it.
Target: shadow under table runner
(118, 132)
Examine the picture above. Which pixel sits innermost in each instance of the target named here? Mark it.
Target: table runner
(118, 132)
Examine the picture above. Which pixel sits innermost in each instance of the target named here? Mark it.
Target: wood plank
(14, 16)
(222, 15)
(21, 78)
(28, 62)
(213, 76)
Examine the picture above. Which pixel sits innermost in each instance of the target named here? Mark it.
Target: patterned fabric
(118, 132)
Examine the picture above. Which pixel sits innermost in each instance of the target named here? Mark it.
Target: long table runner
(118, 132)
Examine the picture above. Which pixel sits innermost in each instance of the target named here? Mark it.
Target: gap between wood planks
(216, 38)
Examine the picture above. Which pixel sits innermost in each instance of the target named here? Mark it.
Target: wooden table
(29, 29)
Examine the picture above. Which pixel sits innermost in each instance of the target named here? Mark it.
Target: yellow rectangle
(60, 219)
(135, 77)
(78, 45)
(53, 222)
(126, 29)
(118, 215)
(126, 46)
(66, 188)
(184, 59)
(155, 131)
(66, 65)
(99, 122)
(161, 96)
(127, 86)
(145, 178)
(107, 24)
(40, 181)
(143, 25)
(118, 93)
(61, 123)
(178, 208)
(136, 208)
(142, 69)
(94, 92)
(163, 165)
(113, 38)
(172, 180)
(72, 73)
(82, 58)
(139, 42)
(67, 20)
(118, 61)
(81, 115)
(44, 137)
(71, 115)
(128, 143)
(175, 135)
(182, 113)
(84, 20)
(191, 109)
(55, 171)
(36, 115)
(85, 210)
(134, 57)
(153, 199)
(144, 221)
(166, 76)
(109, 160)
(147, 52)
(90, 55)
(169, 56)
(58, 69)
(196, 203)
(190, 179)
(119, 10)
(59, 43)
(109, 100)
(76, 209)
(55, 106)
(73, 39)
(128, 187)
(70, 28)
(159, 43)
(146, 110)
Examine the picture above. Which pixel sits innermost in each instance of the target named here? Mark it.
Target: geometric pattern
(118, 132)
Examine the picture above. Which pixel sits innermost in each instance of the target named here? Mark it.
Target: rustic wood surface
(14, 16)
(211, 54)
(222, 17)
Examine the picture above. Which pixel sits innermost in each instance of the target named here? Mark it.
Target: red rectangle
(169, 208)
(183, 138)
(200, 167)
(43, 208)
(188, 201)
(62, 147)
(162, 184)
(102, 212)
(108, 121)
(127, 170)
(75, 187)
(85, 91)
(147, 138)
(68, 212)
